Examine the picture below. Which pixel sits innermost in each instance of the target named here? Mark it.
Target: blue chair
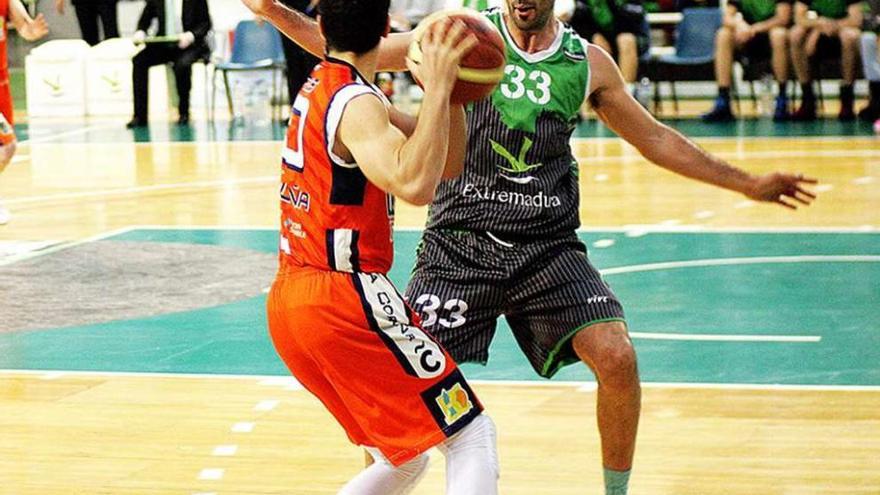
(255, 47)
(694, 48)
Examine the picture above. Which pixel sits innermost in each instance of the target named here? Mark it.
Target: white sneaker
(5, 216)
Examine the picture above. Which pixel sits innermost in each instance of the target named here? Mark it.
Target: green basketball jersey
(520, 179)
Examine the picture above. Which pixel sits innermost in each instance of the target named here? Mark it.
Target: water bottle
(766, 96)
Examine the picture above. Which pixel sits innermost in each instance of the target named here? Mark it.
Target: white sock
(472, 459)
(382, 478)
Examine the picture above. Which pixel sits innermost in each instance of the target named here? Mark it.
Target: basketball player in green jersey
(501, 238)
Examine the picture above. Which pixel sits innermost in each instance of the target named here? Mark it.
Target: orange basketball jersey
(332, 217)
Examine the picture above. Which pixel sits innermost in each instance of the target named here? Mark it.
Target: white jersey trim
(334, 115)
(342, 241)
(589, 90)
(536, 57)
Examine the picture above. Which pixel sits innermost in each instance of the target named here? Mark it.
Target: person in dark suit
(88, 13)
(299, 62)
(190, 22)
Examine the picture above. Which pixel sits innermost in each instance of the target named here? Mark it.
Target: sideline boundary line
(56, 374)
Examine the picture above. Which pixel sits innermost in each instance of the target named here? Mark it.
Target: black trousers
(299, 65)
(88, 13)
(163, 53)
(299, 62)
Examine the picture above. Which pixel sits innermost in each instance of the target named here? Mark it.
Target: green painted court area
(709, 307)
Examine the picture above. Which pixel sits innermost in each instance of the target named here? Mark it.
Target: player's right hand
(138, 37)
(444, 45)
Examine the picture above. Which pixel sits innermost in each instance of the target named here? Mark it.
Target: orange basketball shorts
(350, 339)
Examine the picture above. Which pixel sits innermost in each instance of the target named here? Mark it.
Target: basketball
(482, 67)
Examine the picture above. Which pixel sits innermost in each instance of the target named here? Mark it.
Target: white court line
(726, 337)
(53, 136)
(744, 155)
(647, 228)
(224, 450)
(212, 474)
(245, 427)
(139, 189)
(757, 260)
(266, 405)
(62, 246)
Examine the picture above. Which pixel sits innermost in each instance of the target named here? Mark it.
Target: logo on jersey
(517, 170)
(454, 403)
(310, 85)
(512, 198)
(576, 56)
(294, 196)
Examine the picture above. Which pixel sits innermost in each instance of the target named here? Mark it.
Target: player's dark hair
(353, 25)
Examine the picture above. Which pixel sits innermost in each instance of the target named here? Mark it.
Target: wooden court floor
(105, 432)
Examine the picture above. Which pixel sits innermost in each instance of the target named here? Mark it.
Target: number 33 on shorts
(451, 312)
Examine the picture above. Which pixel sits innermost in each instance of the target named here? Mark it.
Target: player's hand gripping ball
(482, 67)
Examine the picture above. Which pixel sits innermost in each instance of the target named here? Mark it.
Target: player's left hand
(783, 189)
(186, 40)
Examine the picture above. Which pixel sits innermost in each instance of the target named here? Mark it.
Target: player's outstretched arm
(410, 168)
(671, 150)
(303, 30)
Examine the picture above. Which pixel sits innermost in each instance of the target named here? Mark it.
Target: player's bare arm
(29, 28)
(410, 168)
(669, 149)
(303, 30)
(457, 127)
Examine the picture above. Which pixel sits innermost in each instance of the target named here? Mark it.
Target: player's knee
(476, 441)
(413, 470)
(723, 37)
(778, 37)
(849, 37)
(608, 350)
(796, 35)
(618, 368)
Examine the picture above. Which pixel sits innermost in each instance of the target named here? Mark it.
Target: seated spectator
(831, 31)
(181, 39)
(756, 29)
(617, 27)
(871, 61)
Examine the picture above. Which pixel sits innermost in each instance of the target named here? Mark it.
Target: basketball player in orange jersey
(501, 238)
(334, 317)
(30, 29)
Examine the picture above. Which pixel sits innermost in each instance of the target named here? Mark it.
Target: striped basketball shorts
(351, 340)
(546, 289)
